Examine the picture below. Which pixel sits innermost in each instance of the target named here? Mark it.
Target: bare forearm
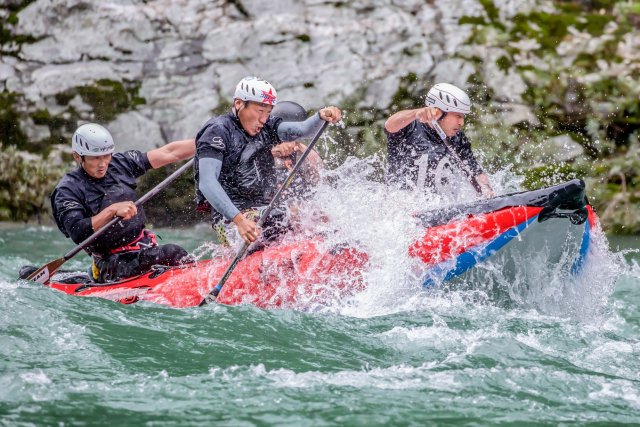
(313, 161)
(101, 219)
(172, 152)
(400, 120)
(485, 185)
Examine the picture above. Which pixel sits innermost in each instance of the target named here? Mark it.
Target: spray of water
(377, 220)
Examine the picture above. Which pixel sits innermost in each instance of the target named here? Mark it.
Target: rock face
(184, 57)
(155, 70)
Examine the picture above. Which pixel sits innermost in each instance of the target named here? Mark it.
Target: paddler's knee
(175, 254)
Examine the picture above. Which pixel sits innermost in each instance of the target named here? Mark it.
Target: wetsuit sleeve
(399, 137)
(212, 190)
(467, 156)
(70, 215)
(136, 162)
(292, 131)
(212, 144)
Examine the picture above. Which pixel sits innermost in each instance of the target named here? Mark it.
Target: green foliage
(25, 185)
(616, 190)
(223, 107)
(549, 29)
(473, 20)
(629, 8)
(10, 132)
(411, 92)
(544, 176)
(173, 206)
(107, 98)
(8, 22)
(575, 6)
(493, 13)
(504, 63)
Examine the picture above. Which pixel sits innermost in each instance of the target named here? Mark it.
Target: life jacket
(417, 157)
(146, 239)
(248, 169)
(93, 196)
(122, 233)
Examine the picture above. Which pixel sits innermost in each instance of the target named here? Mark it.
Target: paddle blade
(44, 273)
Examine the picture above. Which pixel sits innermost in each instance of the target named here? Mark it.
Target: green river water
(413, 359)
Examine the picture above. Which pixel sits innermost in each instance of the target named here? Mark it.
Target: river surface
(424, 358)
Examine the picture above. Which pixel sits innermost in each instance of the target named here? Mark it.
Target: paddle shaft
(43, 274)
(472, 179)
(211, 297)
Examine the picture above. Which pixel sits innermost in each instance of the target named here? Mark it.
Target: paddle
(472, 179)
(44, 273)
(211, 297)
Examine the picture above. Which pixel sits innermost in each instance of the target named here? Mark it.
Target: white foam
(376, 219)
(399, 377)
(36, 377)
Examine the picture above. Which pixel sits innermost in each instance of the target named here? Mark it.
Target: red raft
(556, 220)
(288, 275)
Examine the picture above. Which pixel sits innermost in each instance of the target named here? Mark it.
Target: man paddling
(416, 150)
(102, 188)
(235, 168)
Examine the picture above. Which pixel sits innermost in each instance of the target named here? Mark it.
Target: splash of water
(377, 220)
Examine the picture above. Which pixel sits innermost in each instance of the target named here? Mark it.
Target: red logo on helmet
(268, 97)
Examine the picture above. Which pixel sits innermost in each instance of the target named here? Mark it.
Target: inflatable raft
(557, 220)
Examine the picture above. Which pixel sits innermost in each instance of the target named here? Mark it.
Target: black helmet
(289, 111)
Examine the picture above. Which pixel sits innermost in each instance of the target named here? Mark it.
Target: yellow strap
(95, 272)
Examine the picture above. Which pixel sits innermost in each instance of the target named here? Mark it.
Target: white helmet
(257, 90)
(92, 140)
(449, 98)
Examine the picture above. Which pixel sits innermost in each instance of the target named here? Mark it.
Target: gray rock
(6, 72)
(52, 79)
(561, 148)
(133, 131)
(455, 71)
(507, 85)
(34, 133)
(79, 105)
(59, 154)
(188, 55)
(512, 114)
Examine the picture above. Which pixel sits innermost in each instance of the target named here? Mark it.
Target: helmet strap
(444, 113)
(237, 111)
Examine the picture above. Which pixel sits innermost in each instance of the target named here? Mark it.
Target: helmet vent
(253, 91)
(455, 102)
(440, 93)
(448, 100)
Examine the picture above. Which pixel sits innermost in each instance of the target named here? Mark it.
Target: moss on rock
(107, 98)
(25, 185)
(7, 23)
(10, 132)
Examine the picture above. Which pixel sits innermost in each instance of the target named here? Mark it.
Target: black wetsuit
(248, 174)
(127, 249)
(416, 152)
(248, 169)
